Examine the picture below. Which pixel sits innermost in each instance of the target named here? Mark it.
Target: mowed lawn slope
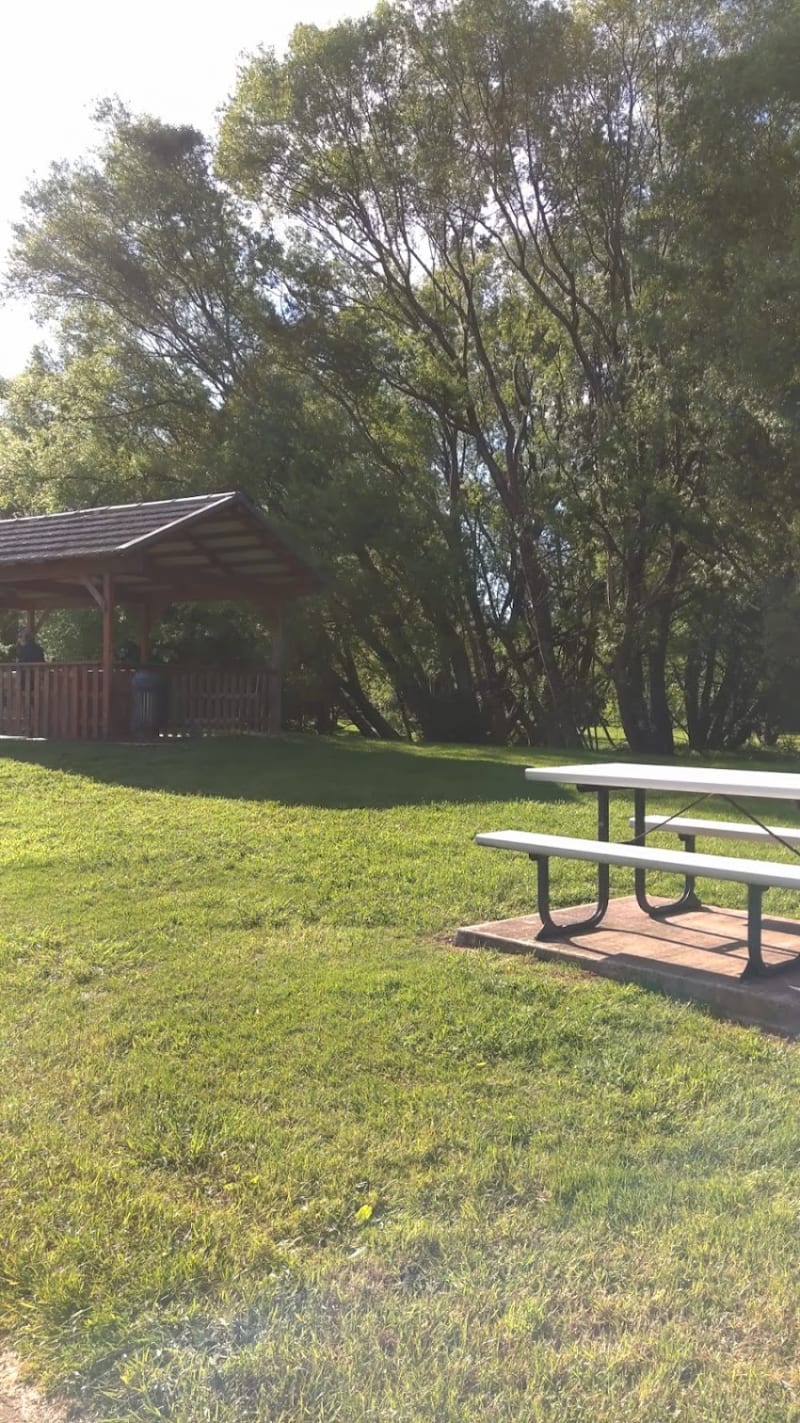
(273, 1150)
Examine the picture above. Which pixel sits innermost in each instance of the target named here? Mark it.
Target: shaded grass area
(271, 1150)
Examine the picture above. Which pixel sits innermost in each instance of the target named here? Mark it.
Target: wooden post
(32, 622)
(108, 650)
(275, 617)
(144, 634)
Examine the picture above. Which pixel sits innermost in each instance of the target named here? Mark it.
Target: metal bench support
(755, 966)
(552, 930)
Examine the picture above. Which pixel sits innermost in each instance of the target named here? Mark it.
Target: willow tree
(491, 179)
(183, 363)
(498, 368)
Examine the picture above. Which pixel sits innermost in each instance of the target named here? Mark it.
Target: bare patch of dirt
(19, 1403)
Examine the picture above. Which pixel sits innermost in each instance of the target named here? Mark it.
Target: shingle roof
(83, 532)
(204, 548)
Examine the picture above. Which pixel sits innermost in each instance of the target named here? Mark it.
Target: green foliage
(522, 369)
(503, 187)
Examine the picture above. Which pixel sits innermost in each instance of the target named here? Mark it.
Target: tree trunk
(366, 717)
(628, 677)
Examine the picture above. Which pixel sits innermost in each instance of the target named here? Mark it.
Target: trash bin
(148, 702)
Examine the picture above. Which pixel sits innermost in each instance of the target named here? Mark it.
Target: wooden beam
(144, 633)
(108, 650)
(71, 570)
(95, 591)
(30, 594)
(162, 591)
(211, 557)
(275, 619)
(28, 584)
(231, 541)
(214, 589)
(49, 601)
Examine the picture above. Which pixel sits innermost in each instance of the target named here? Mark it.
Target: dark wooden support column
(145, 623)
(108, 650)
(32, 622)
(275, 619)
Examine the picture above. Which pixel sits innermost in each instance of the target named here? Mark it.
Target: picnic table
(698, 783)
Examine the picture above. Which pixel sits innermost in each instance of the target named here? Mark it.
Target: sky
(175, 59)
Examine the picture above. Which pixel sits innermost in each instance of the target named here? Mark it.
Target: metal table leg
(688, 899)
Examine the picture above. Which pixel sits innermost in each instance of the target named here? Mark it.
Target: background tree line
(495, 305)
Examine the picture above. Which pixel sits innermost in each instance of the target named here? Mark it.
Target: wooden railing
(64, 700)
(202, 699)
(58, 699)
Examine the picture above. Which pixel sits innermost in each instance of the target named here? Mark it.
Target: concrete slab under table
(696, 956)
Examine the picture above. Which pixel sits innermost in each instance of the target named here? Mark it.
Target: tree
(494, 369)
(483, 177)
(180, 367)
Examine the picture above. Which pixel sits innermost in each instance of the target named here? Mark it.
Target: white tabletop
(703, 780)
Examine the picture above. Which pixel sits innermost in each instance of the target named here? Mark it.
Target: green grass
(271, 1149)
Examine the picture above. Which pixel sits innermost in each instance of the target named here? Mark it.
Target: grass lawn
(272, 1149)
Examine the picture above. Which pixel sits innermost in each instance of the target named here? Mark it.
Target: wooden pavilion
(207, 548)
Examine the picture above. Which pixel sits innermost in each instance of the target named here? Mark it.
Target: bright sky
(176, 59)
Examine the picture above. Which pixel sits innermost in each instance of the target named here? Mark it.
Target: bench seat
(722, 829)
(757, 875)
(766, 873)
